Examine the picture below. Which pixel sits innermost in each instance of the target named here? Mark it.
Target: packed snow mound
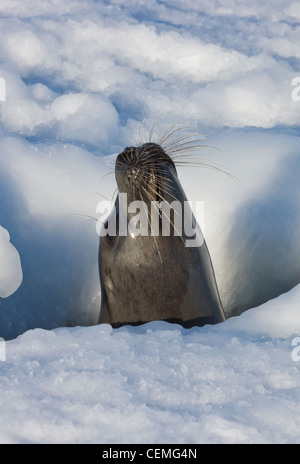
(10, 266)
(276, 318)
(236, 382)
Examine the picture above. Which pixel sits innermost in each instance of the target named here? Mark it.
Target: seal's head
(145, 173)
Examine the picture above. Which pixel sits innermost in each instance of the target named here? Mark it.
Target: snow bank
(197, 69)
(158, 383)
(10, 267)
(277, 318)
(52, 191)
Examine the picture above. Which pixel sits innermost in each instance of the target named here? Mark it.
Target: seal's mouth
(145, 172)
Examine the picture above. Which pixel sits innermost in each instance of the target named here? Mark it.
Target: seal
(146, 277)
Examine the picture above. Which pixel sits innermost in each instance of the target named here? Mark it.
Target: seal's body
(147, 278)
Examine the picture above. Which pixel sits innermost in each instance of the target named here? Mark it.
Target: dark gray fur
(150, 278)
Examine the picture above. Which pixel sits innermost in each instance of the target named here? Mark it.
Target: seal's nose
(127, 171)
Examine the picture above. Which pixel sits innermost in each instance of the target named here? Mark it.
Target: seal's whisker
(146, 152)
(163, 188)
(103, 196)
(149, 225)
(169, 219)
(193, 162)
(207, 166)
(148, 161)
(187, 139)
(163, 199)
(165, 134)
(107, 174)
(168, 133)
(85, 215)
(162, 184)
(142, 136)
(153, 169)
(115, 191)
(185, 148)
(110, 162)
(119, 163)
(186, 155)
(152, 131)
(162, 179)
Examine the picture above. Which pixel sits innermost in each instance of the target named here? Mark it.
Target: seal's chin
(143, 170)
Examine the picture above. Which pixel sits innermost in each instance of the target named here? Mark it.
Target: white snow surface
(158, 383)
(83, 79)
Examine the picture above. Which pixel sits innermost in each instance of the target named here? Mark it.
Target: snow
(158, 383)
(11, 270)
(79, 81)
